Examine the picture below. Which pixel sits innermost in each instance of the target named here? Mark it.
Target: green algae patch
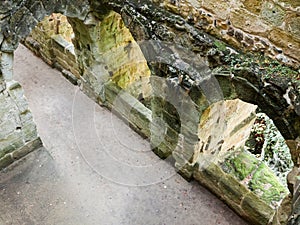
(258, 177)
(241, 166)
(220, 45)
(267, 186)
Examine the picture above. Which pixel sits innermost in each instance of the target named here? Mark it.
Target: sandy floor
(93, 169)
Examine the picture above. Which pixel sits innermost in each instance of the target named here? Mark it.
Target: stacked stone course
(183, 108)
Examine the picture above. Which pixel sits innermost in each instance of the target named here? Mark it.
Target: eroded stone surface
(18, 129)
(224, 127)
(147, 21)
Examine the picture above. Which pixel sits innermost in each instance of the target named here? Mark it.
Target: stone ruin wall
(187, 153)
(265, 26)
(18, 134)
(224, 180)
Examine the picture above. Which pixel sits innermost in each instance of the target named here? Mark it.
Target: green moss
(112, 32)
(121, 78)
(261, 179)
(241, 165)
(220, 45)
(267, 185)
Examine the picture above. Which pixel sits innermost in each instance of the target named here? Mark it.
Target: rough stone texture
(128, 108)
(181, 70)
(58, 53)
(240, 17)
(174, 27)
(283, 213)
(224, 127)
(112, 57)
(220, 142)
(107, 51)
(17, 26)
(246, 83)
(237, 21)
(41, 38)
(257, 177)
(235, 194)
(280, 37)
(18, 134)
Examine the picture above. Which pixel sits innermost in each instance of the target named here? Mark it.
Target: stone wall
(191, 79)
(113, 58)
(52, 41)
(107, 51)
(176, 128)
(18, 134)
(268, 26)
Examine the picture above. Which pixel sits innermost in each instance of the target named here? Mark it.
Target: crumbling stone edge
(14, 156)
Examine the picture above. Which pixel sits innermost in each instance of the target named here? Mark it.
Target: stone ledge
(57, 53)
(236, 195)
(128, 108)
(19, 153)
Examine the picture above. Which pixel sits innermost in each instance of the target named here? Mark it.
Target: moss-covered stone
(105, 44)
(266, 185)
(119, 51)
(5, 161)
(257, 211)
(241, 165)
(232, 189)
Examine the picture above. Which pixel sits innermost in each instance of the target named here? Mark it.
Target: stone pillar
(6, 65)
(175, 119)
(294, 181)
(18, 134)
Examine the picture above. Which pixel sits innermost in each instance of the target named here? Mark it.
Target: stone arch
(107, 52)
(26, 15)
(19, 18)
(245, 84)
(278, 98)
(268, 98)
(149, 22)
